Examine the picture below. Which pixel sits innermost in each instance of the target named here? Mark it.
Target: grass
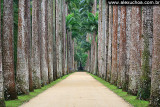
(127, 97)
(25, 98)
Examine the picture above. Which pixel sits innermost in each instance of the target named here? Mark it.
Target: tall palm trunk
(94, 44)
(22, 47)
(109, 62)
(100, 39)
(88, 59)
(2, 103)
(35, 45)
(50, 40)
(114, 46)
(69, 47)
(44, 41)
(155, 78)
(54, 42)
(122, 50)
(59, 37)
(135, 51)
(64, 38)
(128, 40)
(118, 44)
(29, 49)
(147, 38)
(7, 46)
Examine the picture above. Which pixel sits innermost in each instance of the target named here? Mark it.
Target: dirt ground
(78, 90)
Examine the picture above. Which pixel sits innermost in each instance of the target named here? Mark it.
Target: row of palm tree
(128, 49)
(41, 52)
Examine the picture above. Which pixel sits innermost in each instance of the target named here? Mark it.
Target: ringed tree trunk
(64, 38)
(7, 54)
(128, 41)
(50, 40)
(73, 69)
(114, 46)
(122, 50)
(118, 42)
(100, 39)
(31, 89)
(155, 78)
(2, 102)
(54, 42)
(69, 39)
(135, 51)
(35, 45)
(88, 59)
(59, 37)
(147, 38)
(22, 73)
(94, 44)
(44, 52)
(109, 62)
(106, 37)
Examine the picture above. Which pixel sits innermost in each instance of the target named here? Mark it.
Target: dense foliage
(81, 21)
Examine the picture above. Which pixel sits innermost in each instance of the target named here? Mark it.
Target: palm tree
(109, 62)
(122, 50)
(64, 42)
(44, 41)
(135, 51)
(2, 103)
(94, 44)
(128, 39)
(118, 42)
(29, 49)
(155, 78)
(114, 46)
(54, 42)
(22, 73)
(147, 38)
(59, 37)
(35, 44)
(50, 40)
(7, 52)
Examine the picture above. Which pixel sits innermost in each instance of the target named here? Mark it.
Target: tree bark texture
(135, 51)
(2, 103)
(50, 40)
(155, 78)
(122, 50)
(114, 46)
(7, 54)
(44, 43)
(109, 62)
(146, 60)
(35, 44)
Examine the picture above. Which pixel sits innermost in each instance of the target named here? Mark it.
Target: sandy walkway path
(78, 90)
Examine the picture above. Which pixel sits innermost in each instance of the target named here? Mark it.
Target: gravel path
(78, 90)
